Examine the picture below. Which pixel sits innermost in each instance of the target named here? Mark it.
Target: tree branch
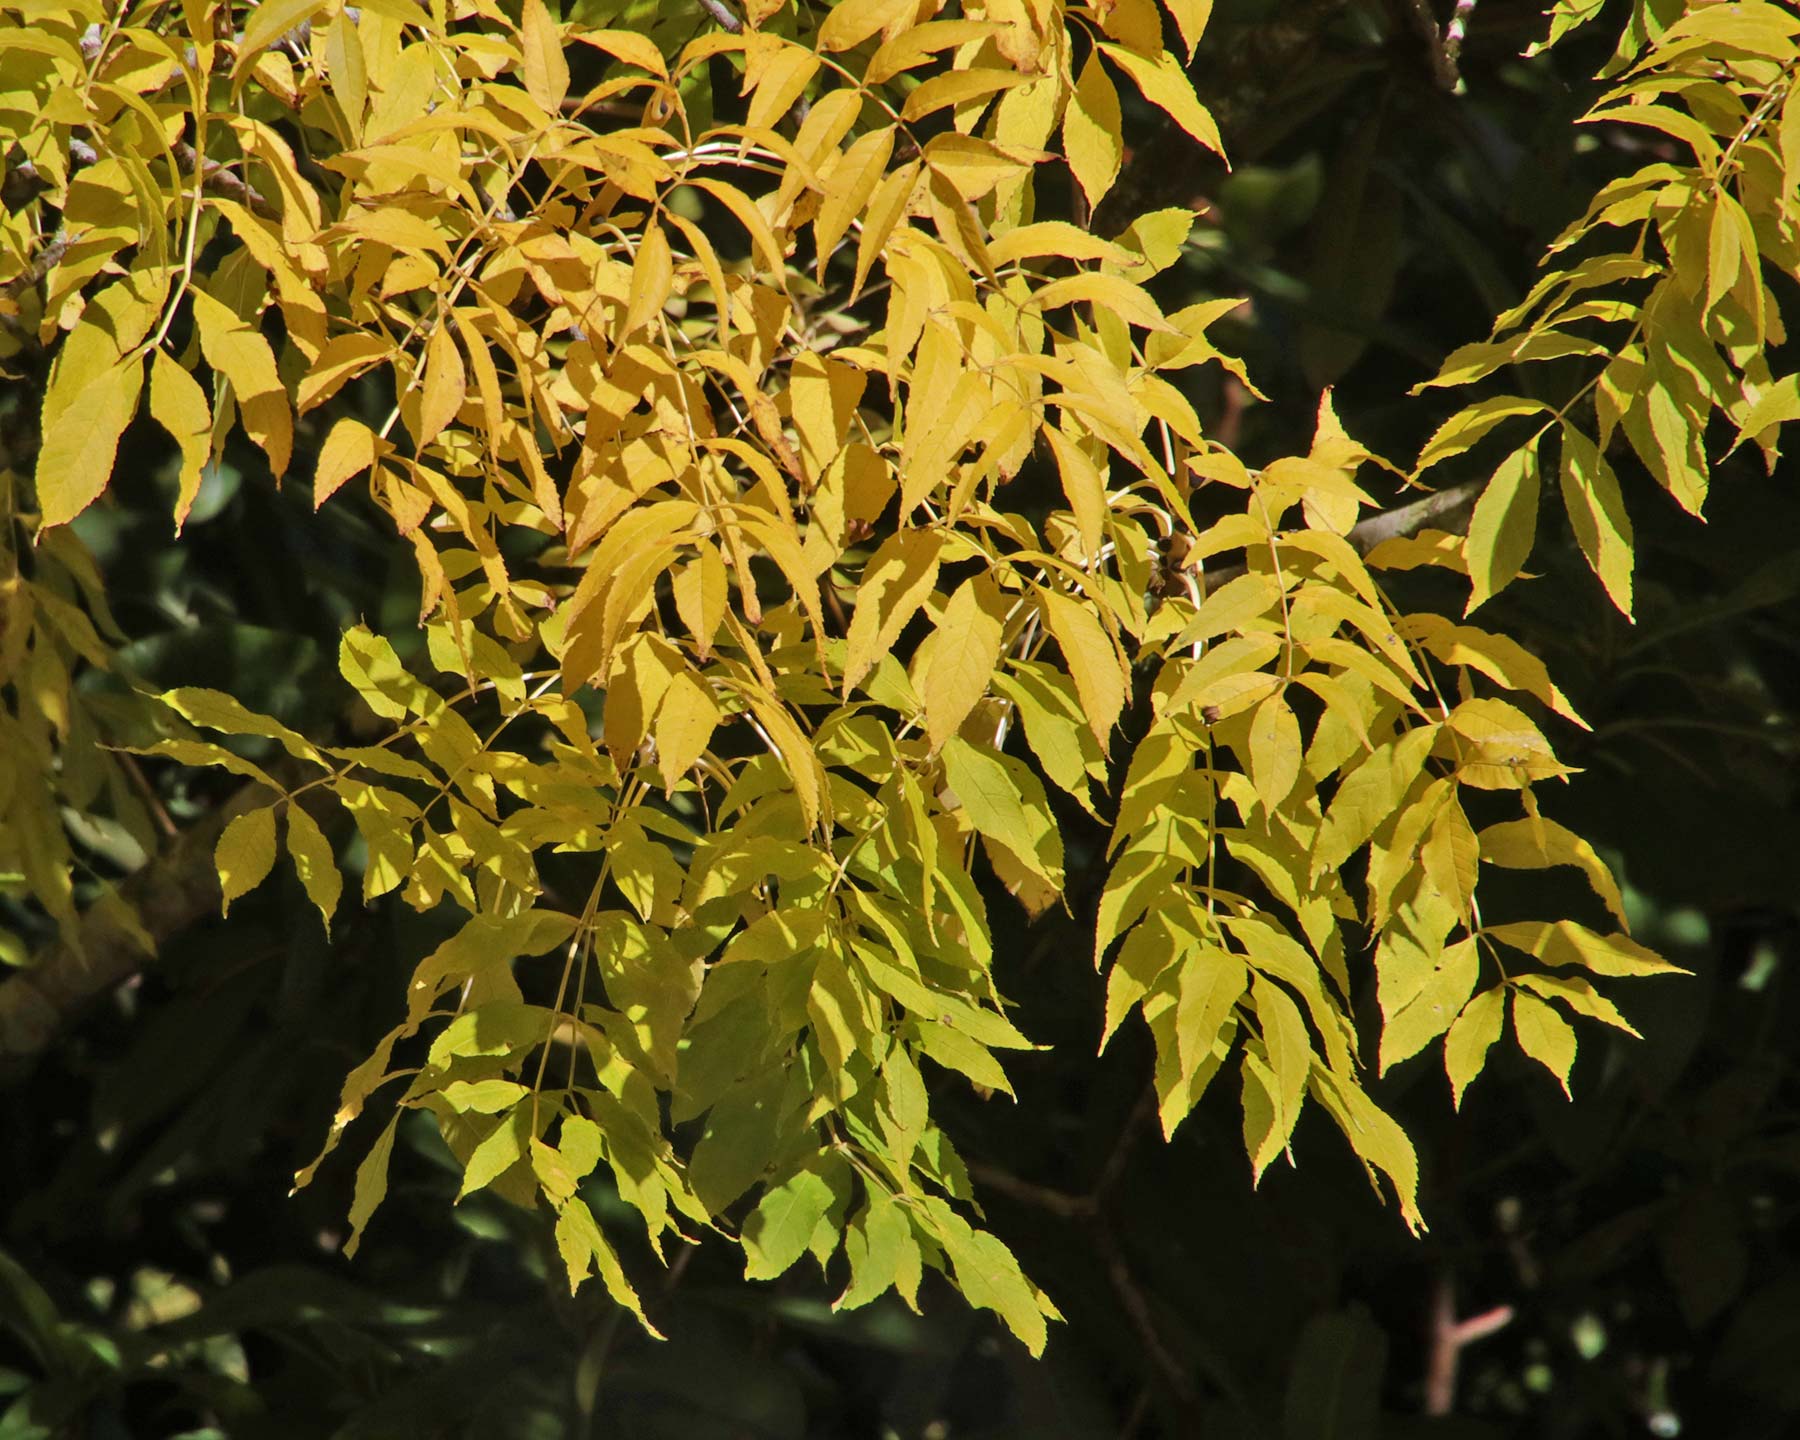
(171, 892)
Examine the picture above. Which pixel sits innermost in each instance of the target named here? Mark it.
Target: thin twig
(722, 13)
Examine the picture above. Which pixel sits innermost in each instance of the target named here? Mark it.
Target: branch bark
(175, 889)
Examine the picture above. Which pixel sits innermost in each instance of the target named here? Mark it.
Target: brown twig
(722, 13)
(1446, 1340)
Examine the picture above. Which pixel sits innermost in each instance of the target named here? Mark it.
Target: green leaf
(875, 1242)
(245, 853)
(779, 1230)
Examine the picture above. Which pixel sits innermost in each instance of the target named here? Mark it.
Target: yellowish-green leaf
(1274, 750)
(1545, 1036)
(245, 853)
(81, 443)
(313, 862)
(1537, 843)
(1470, 1038)
(1504, 524)
(371, 1184)
(778, 1231)
(1436, 1005)
(1566, 942)
(898, 578)
(1597, 514)
(580, 1243)
(1005, 802)
(178, 404)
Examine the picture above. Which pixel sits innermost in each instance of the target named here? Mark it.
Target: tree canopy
(661, 618)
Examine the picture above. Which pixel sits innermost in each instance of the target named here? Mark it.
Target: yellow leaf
(1092, 132)
(269, 21)
(1110, 293)
(1290, 1053)
(684, 726)
(1164, 84)
(397, 229)
(1190, 18)
(349, 449)
(1471, 1036)
(1093, 661)
(1085, 489)
(795, 750)
(886, 206)
(313, 862)
(895, 583)
(957, 87)
(245, 853)
(1274, 751)
(243, 357)
(652, 278)
(909, 47)
(964, 654)
(76, 459)
(851, 22)
(178, 404)
(446, 385)
(781, 82)
(849, 183)
(546, 71)
(627, 45)
(1545, 1036)
(1504, 524)
(1368, 795)
(701, 588)
(1597, 515)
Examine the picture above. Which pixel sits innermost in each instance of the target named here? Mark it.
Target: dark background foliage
(157, 1279)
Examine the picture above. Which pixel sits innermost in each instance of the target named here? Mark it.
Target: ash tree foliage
(713, 347)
